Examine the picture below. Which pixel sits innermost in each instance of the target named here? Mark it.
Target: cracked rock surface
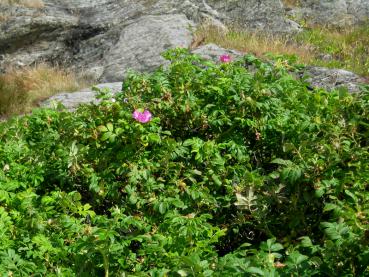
(85, 96)
(105, 38)
(337, 13)
(326, 78)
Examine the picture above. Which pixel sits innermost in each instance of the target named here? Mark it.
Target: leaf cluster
(242, 170)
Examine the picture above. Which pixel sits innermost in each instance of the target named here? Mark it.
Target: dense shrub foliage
(241, 171)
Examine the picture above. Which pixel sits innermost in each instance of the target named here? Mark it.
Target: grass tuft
(347, 48)
(247, 42)
(3, 18)
(22, 89)
(291, 3)
(36, 4)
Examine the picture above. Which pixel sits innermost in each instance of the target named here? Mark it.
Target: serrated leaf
(188, 142)
(329, 207)
(276, 247)
(182, 273)
(350, 194)
(296, 258)
(216, 180)
(154, 138)
(306, 242)
(255, 270)
(274, 175)
(102, 128)
(319, 192)
(247, 201)
(162, 208)
(197, 172)
(291, 173)
(110, 127)
(105, 136)
(281, 162)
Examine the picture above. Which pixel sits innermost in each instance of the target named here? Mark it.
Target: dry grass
(23, 89)
(348, 49)
(3, 18)
(256, 44)
(36, 4)
(291, 3)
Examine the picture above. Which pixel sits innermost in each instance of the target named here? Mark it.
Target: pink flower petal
(225, 58)
(147, 115)
(136, 114)
(142, 117)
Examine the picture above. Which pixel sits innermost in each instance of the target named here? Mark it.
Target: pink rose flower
(225, 58)
(142, 117)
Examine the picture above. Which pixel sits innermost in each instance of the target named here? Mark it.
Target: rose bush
(238, 173)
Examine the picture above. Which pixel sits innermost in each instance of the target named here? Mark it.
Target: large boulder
(263, 16)
(213, 52)
(329, 79)
(85, 96)
(337, 13)
(147, 37)
(105, 38)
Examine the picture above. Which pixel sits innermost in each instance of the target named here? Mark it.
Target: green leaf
(216, 180)
(182, 273)
(155, 138)
(276, 247)
(350, 194)
(102, 128)
(110, 127)
(306, 242)
(291, 173)
(255, 270)
(281, 162)
(197, 172)
(319, 192)
(94, 183)
(106, 136)
(162, 207)
(296, 258)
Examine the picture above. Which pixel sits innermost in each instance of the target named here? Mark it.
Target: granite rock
(329, 79)
(335, 13)
(71, 100)
(105, 38)
(213, 52)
